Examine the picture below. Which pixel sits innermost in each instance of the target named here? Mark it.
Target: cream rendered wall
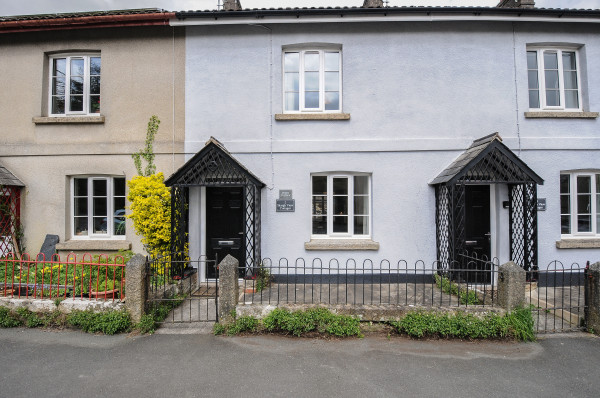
(142, 75)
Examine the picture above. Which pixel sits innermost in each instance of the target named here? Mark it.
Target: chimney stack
(373, 4)
(232, 5)
(516, 4)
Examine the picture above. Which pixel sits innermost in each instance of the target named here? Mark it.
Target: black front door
(224, 225)
(477, 222)
(477, 230)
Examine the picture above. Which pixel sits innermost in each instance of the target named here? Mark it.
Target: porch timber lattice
(487, 161)
(214, 166)
(10, 212)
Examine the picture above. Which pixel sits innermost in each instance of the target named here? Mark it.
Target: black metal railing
(176, 291)
(556, 295)
(469, 282)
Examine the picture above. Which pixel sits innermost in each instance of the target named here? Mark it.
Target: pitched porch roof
(487, 160)
(8, 179)
(213, 164)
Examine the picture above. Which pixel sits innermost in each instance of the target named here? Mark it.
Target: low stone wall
(373, 313)
(65, 306)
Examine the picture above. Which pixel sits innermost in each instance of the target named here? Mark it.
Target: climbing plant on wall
(150, 199)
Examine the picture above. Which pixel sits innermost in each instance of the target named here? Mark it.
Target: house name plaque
(541, 204)
(285, 205)
(285, 194)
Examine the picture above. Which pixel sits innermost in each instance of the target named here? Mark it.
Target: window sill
(312, 116)
(561, 115)
(341, 244)
(68, 119)
(567, 243)
(93, 245)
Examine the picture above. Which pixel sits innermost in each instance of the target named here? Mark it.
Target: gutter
(358, 14)
(343, 11)
(86, 22)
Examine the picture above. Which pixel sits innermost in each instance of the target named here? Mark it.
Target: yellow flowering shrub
(150, 205)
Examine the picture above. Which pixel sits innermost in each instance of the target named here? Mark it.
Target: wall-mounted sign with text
(541, 204)
(285, 205)
(285, 194)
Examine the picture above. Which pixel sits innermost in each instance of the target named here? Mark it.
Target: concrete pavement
(73, 364)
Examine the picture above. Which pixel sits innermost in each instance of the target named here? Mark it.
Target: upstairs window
(341, 205)
(554, 82)
(74, 85)
(312, 81)
(98, 205)
(580, 203)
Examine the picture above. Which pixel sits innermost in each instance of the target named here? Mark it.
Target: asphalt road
(36, 363)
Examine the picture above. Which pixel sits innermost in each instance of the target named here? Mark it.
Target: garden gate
(175, 292)
(557, 296)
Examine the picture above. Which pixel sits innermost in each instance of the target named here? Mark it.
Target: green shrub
(8, 319)
(317, 319)
(465, 296)
(54, 318)
(219, 329)
(517, 324)
(29, 318)
(146, 324)
(521, 324)
(263, 278)
(107, 322)
(243, 324)
(156, 314)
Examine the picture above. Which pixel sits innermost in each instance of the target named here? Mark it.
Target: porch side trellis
(10, 212)
(213, 166)
(487, 161)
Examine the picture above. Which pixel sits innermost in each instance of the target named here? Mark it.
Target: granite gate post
(228, 288)
(511, 286)
(136, 289)
(592, 292)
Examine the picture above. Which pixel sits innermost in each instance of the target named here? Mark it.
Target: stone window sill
(312, 116)
(578, 244)
(341, 244)
(68, 119)
(561, 115)
(93, 245)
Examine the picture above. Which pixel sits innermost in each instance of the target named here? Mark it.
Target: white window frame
(542, 80)
(301, 85)
(350, 234)
(110, 198)
(573, 203)
(86, 83)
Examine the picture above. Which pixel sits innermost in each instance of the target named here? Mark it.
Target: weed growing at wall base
(107, 322)
(517, 324)
(465, 296)
(156, 314)
(8, 319)
(297, 323)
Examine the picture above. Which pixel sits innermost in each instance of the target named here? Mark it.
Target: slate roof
(8, 178)
(212, 142)
(476, 152)
(81, 14)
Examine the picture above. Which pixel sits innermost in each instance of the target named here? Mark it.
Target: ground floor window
(98, 206)
(580, 203)
(341, 205)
